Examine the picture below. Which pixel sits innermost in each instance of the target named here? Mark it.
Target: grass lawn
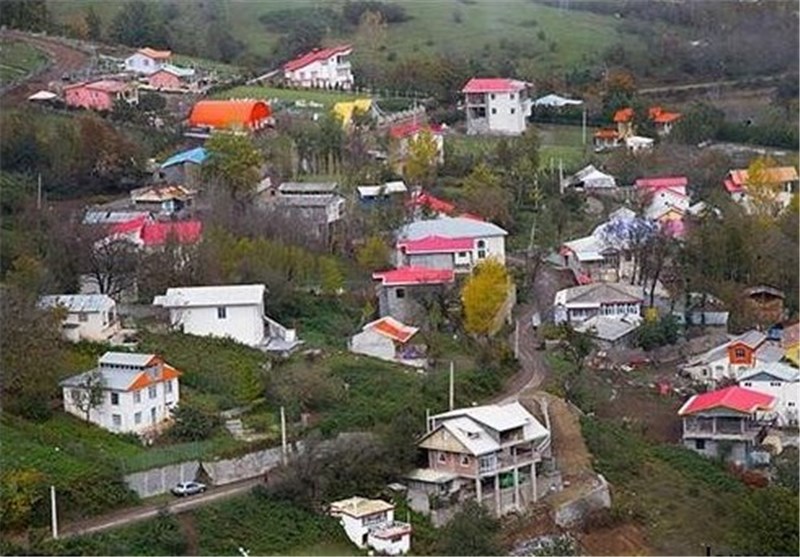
(327, 98)
(17, 59)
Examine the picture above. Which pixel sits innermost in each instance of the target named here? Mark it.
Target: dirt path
(64, 59)
(190, 533)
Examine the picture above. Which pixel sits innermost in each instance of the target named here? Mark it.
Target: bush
(192, 423)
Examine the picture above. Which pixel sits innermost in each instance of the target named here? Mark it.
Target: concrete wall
(223, 472)
(574, 512)
(242, 323)
(161, 480)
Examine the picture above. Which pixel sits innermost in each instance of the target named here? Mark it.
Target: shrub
(192, 423)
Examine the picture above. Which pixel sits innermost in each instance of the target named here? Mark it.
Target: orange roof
(392, 328)
(606, 134)
(155, 54)
(776, 174)
(225, 114)
(661, 116)
(623, 115)
(145, 380)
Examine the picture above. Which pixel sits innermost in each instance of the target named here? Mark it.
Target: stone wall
(573, 512)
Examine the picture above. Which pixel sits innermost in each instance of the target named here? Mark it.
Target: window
(513, 110)
(137, 397)
(748, 384)
(115, 399)
(137, 418)
(83, 317)
(481, 249)
(464, 460)
(152, 391)
(152, 415)
(739, 353)
(511, 96)
(222, 312)
(700, 444)
(790, 404)
(493, 96)
(774, 383)
(168, 386)
(462, 254)
(400, 293)
(116, 420)
(442, 458)
(494, 111)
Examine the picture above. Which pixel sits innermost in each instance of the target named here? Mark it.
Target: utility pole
(39, 193)
(427, 420)
(53, 512)
(452, 385)
(516, 339)
(583, 126)
(283, 436)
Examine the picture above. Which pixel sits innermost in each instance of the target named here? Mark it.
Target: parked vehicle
(184, 489)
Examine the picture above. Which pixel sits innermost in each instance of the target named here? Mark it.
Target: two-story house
(90, 317)
(100, 95)
(403, 293)
(167, 199)
(496, 106)
(455, 243)
(370, 523)
(731, 359)
(489, 452)
(147, 60)
(781, 381)
(326, 68)
(315, 209)
(232, 311)
(125, 393)
(726, 423)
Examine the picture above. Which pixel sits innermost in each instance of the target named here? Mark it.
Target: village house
(589, 179)
(496, 106)
(183, 168)
(790, 342)
(136, 393)
(666, 202)
(172, 78)
(389, 339)
(407, 292)
(316, 207)
(778, 380)
(100, 95)
(725, 423)
(487, 453)
(346, 110)
(147, 61)
(765, 304)
(163, 199)
(424, 205)
(456, 243)
(91, 317)
(231, 311)
(401, 136)
(663, 120)
(609, 312)
(370, 523)
(733, 358)
(325, 68)
(237, 114)
(373, 195)
(606, 138)
(783, 179)
(144, 232)
(702, 310)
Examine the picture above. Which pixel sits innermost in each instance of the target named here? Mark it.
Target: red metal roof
(436, 244)
(393, 329)
(315, 55)
(133, 225)
(184, 232)
(606, 133)
(432, 203)
(411, 128)
(414, 275)
(623, 115)
(733, 398)
(223, 114)
(661, 116)
(493, 84)
(733, 187)
(669, 182)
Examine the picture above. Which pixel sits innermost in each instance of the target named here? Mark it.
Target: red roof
(133, 225)
(436, 244)
(155, 54)
(432, 203)
(314, 56)
(606, 134)
(223, 114)
(668, 182)
(185, 232)
(733, 187)
(393, 329)
(623, 115)
(733, 398)
(414, 275)
(493, 84)
(411, 128)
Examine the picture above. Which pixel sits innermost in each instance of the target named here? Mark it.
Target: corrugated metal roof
(197, 155)
(199, 296)
(450, 227)
(599, 293)
(133, 359)
(307, 187)
(778, 370)
(113, 380)
(497, 417)
(360, 506)
(84, 303)
(608, 328)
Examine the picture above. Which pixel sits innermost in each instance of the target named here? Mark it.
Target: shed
(250, 114)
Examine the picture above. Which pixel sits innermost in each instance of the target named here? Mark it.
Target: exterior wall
(407, 309)
(429, 260)
(243, 324)
(151, 410)
(741, 354)
(580, 314)
(165, 80)
(357, 528)
(98, 326)
(713, 449)
(83, 97)
(323, 73)
(373, 344)
(389, 547)
(785, 393)
(505, 112)
(451, 462)
(140, 63)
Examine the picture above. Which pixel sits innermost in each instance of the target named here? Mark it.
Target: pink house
(100, 95)
(171, 77)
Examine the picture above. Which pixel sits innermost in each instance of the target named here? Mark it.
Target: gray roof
(203, 296)
(84, 303)
(778, 370)
(770, 353)
(598, 293)
(751, 338)
(313, 200)
(132, 359)
(113, 379)
(450, 227)
(608, 328)
(95, 216)
(307, 187)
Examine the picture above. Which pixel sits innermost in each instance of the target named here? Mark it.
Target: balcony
(507, 460)
(721, 428)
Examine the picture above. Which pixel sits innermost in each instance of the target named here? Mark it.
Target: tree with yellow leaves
(422, 158)
(483, 295)
(762, 188)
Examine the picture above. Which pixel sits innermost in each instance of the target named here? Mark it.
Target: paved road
(128, 516)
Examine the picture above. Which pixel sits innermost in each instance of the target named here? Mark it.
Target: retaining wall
(574, 512)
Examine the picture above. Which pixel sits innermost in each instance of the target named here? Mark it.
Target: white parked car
(185, 489)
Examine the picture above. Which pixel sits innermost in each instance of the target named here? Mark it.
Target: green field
(327, 98)
(18, 59)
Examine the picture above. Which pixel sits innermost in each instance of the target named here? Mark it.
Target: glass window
(168, 386)
(513, 110)
(115, 399)
(152, 391)
(116, 419)
(493, 96)
(137, 418)
(748, 384)
(442, 458)
(83, 317)
(462, 254)
(494, 110)
(464, 460)
(222, 312)
(739, 352)
(137, 397)
(400, 292)
(511, 96)
(700, 444)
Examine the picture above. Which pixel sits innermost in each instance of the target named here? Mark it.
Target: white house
(86, 316)
(456, 243)
(134, 392)
(781, 381)
(733, 358)
(388, 339)
(322, 67)
(589, 178)
(370, 523)
(496, 105)
(232, 311)
(147, 60)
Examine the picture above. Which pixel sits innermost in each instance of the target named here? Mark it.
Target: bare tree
(89, 393)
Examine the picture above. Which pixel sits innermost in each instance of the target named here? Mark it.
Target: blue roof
(196, 155)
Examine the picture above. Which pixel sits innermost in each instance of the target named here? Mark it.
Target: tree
(109, 260)
(193, 423)
(633, 234)
(421, 160)
(331, 276)
(482, 296)
(305, 389)
(701, 122)
(373, 255)
(94, 25)
(471, 531)
(30, 15)
(139, 24)
(234, 164)
(20, 491)
(89, 392)
(658, 251)
(762, 188)
(484, 195)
